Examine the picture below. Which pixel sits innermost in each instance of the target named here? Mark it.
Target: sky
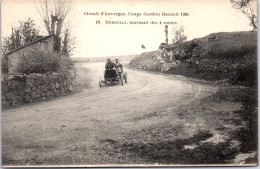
(97, 40)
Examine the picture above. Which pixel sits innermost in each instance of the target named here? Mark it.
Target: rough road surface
(94, 126)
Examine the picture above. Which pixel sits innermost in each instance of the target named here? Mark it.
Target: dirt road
(82, 128)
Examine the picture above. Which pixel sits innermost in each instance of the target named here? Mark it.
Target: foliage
(55, 16)
(69, 43)
(245, 74)
(25, 32)
(248, 7)
(179, 36)
(37, 61)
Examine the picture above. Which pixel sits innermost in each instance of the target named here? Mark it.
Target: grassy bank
(232, 56)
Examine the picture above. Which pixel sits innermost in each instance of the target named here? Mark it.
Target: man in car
(109, 65)
(119, 67)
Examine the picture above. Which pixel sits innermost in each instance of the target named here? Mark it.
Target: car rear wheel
(122, 82)
(125, 77)
(100, 82)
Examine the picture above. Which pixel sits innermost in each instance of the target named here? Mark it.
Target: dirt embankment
(231, 56)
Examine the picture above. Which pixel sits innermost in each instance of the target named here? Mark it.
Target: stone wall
(12, 57)
(20, 89)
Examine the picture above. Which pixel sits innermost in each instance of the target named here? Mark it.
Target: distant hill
(102, 59)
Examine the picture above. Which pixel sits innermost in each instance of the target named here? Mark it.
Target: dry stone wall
(20, 89)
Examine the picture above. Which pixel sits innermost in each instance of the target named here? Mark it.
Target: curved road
(52, 132)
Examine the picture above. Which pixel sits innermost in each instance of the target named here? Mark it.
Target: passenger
(119, 67)
(109, 65)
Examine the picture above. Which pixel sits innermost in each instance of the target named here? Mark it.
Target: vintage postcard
(129, 83)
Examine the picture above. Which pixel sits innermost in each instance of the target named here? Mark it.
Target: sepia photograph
(129, 83)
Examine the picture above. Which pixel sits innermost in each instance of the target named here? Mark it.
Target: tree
(248, 7)
(69, 43)
(179, 36)
(55, 15)
(25, 32)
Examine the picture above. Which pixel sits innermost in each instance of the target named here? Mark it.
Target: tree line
(55, 17)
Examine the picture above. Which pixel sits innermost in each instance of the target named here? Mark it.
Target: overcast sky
(94, 40)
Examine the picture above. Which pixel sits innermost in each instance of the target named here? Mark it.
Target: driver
(109, 65)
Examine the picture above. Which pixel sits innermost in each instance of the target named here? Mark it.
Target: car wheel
(125, 77)
(100, 82)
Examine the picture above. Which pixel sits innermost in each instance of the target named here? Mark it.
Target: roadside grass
(174, 152)
(248, 135)
(190, 70)
(164, 143)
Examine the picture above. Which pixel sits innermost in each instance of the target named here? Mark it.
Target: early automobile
(112, 76)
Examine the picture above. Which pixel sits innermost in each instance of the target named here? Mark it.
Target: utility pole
(166, 34)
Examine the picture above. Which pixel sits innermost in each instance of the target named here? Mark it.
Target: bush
(246, 75)
(36, 61)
